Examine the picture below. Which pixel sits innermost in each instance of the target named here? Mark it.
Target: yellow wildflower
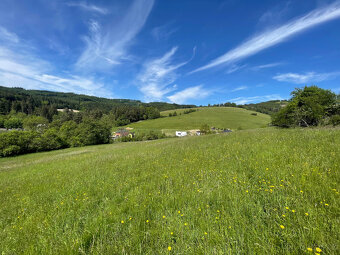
(293, 211)
(163, 216)
(169, 248)
(122, 222)
(306, 214)
(282, 227)
(309, 249)
(318, 249)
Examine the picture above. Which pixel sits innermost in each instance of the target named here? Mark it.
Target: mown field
(219, 117)
(264, 191)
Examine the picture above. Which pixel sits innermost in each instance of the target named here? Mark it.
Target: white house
(181, 133)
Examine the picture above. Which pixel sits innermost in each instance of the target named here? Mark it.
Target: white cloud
(107, 46)
(181, 97)
(158, 76)
(305, 78)
(7, 36)
(20, 68)
(255, 99)
(240, 88)
(266, 66)
(277, 35)
(88, 7)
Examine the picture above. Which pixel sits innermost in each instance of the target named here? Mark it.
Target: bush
(13, 122)
(307, 107)
(335, 120)
(11, 150)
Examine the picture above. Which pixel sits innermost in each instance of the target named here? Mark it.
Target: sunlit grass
(263, 191)
(219, 117)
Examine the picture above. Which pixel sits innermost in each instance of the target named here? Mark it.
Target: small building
(181, 133)
(194, 132)
(120, 133)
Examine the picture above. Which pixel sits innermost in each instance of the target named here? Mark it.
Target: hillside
(269, 107)
(265, 191)
(219, 117)
(16, 98)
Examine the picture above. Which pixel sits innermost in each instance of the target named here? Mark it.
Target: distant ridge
(10, 97)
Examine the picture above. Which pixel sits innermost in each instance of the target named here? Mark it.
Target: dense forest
(269, 107)
(31, 101)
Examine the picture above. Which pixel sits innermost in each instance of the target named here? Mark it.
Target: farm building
(194, 132)
(181, 133)
(123, 133)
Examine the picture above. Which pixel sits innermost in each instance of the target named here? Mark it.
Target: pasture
(219, 117)
(262, 191)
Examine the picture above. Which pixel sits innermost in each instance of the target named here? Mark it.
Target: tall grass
(262, 191)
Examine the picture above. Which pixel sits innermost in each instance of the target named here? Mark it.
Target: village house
(123, 133)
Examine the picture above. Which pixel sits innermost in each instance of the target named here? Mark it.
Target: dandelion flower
(185, 224)
(282, 227)
(309, 249)
(179, 212)
(147, 221)
(122, 222)
(306, 214)
(283, 215)
(287, 207)
(169, 248)
(318, 249)
(163, 216)
(293, 211)
(172, 233)
(205, 233)
(316, 253)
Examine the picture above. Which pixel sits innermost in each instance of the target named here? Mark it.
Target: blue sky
(191, 51)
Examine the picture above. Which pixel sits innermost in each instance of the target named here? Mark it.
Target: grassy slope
(219, 194)
(220, 117)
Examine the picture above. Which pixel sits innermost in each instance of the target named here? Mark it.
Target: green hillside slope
(262, 191)
(219, 117)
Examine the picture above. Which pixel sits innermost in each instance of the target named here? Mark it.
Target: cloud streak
(255, 99)
(7, 36)
(270, 38)
(88, 7)
(309, 77)
(158, 76)
(196, 92)
(107, 46)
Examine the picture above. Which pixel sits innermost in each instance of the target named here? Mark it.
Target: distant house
(181, 133)
(121, 133)
(65, 110)
(194, 132)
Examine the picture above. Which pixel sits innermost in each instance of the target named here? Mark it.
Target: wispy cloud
(158, 76)
(196, 92)
(163, 32)
(270, 38)
(309, 77)
(240, 88)
(107, 46)
(266, 66)
(88, 7)
(7, 36)
(235, 68)
(20, 67)
(255, 99)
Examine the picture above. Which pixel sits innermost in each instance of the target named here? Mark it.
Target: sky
(180, 51)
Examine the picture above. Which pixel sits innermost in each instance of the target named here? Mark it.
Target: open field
(264, 191)
(219, 117)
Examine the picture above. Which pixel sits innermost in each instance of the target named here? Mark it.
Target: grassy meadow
(219, 117)
(264, 191)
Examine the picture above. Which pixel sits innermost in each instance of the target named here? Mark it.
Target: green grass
(219, 117)
(220, 194)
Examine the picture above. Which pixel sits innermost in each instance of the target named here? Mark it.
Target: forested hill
(21, 100)
(269, 107)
